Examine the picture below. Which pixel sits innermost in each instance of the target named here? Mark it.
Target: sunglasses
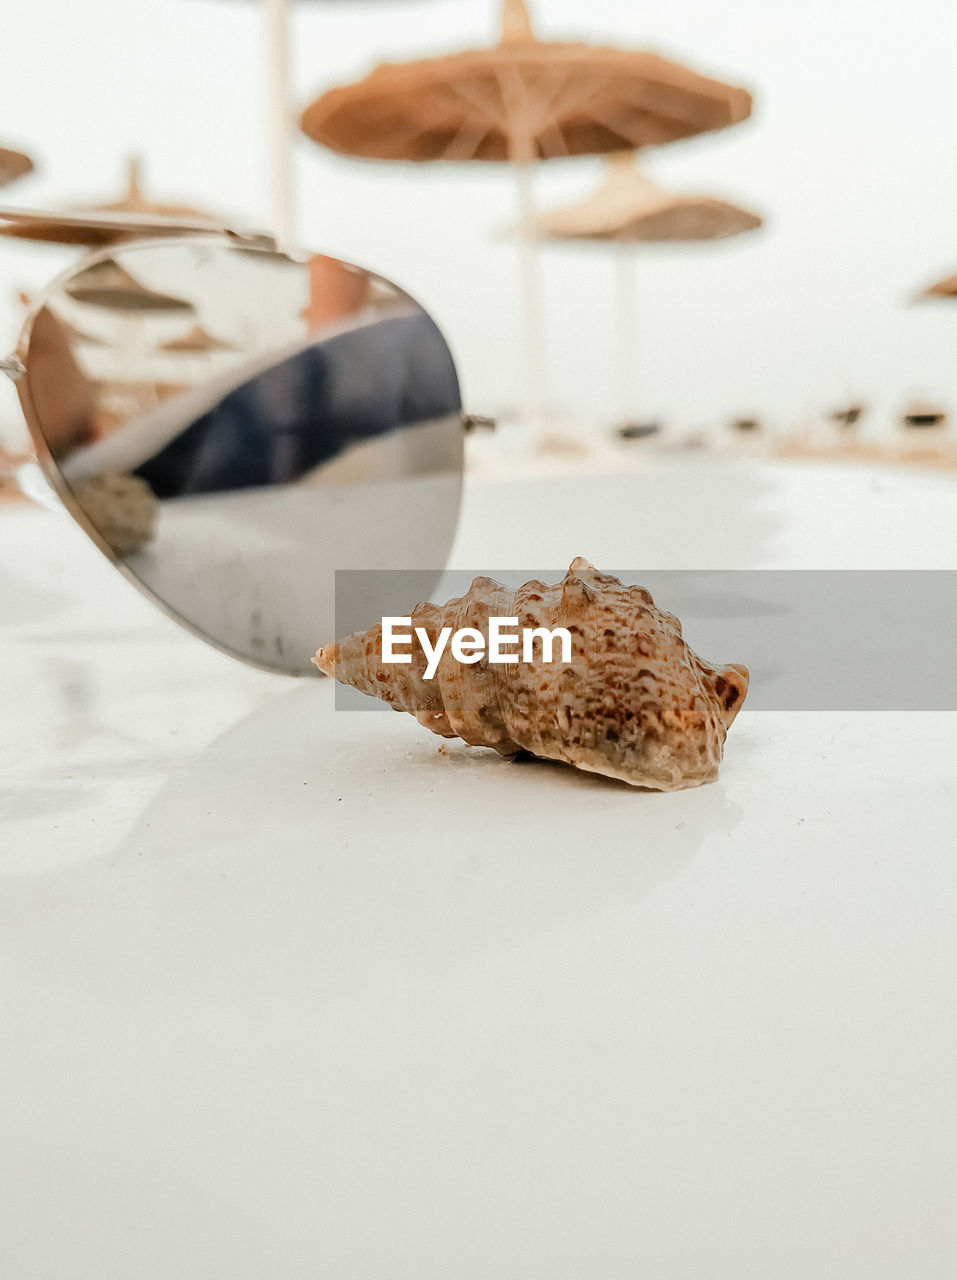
(232, 422)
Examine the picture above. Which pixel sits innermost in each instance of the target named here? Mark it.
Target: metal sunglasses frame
(15, 366)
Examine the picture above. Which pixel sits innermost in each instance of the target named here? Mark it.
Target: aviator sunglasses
(231, 422)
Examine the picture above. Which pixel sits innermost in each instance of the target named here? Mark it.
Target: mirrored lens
(234, 425)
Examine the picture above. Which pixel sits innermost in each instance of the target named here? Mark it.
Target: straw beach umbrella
(520, 101)
(91, 229)
(133, 201)
(13, 165)
(131, 216)
(628, 209)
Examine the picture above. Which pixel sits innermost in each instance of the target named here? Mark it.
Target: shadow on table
(25, 601)
(319, 853)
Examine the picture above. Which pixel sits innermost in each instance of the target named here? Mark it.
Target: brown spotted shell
(634, 703)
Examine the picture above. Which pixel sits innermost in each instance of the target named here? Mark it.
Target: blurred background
(844, 158)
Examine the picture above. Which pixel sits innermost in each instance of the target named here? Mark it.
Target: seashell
(634, 703)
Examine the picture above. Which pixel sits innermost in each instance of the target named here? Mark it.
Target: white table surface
(290, 993)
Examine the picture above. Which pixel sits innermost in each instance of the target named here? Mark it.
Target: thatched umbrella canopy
(626, 210)
(13, 165)
(92, 230)
(134, 201)
(522, 100)
(131, 216)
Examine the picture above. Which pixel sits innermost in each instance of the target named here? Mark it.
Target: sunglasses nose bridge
(13, 367)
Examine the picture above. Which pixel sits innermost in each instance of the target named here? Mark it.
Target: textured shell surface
(634, 703)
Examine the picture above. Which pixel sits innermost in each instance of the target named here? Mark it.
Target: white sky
(855, 116)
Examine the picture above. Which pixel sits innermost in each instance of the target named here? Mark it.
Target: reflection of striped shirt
(310, 406)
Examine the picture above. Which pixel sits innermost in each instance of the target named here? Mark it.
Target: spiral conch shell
(634, 703)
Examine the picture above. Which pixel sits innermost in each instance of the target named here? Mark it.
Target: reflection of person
(310, 406)
(62, 395)
(336, 289)
(121, 507)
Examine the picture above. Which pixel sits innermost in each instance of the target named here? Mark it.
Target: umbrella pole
(533, 409)
(625, 325)
(279, 140)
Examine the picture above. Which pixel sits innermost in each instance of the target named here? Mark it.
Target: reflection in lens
(285, 419)
(108, 285)
(196, 342)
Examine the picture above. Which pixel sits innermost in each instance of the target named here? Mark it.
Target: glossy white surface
(291, 993)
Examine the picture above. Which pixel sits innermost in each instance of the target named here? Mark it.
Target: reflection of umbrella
(522, 100)
(107, 284)
(92, 229)
(13, 165)
(72, 331)
(196, 341)
(628, 208)
(133, 201)
(76, 334)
